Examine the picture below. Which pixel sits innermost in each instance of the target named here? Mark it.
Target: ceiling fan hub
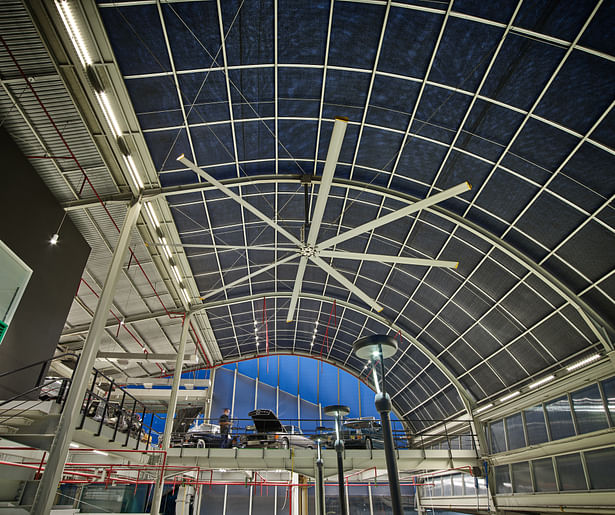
(308, 250)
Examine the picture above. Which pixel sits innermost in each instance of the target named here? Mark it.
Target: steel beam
(168, 425)
(142, 356)
(46, 492)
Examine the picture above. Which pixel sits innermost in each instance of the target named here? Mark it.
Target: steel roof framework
(559, 296)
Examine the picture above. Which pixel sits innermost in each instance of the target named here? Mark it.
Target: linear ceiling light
(542, 381)
(176, 273)
(583, 362)
(185, 294)
(73, 31)
(134, 174)
(483, 408)
(165, 248)
(107, 110)
(152, 214)
(510, 396)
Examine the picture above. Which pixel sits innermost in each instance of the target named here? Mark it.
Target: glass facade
(589, 409)
(570, 472)
(560, 418)
(521, 478)
(592, 407)
(514, 430)
(535, 424)
(544, 476)
(601, 468)
(502, 480)
(498, 438)
(563, 473)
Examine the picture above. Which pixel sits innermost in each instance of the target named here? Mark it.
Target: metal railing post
(132, 412)
(105, 408)
(119, 417)
(86, 408)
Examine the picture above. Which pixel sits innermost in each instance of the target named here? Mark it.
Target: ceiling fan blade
(396, 215)
(346, 283)
(230, 193)
(222, 247)
(296, 289)
(383, 258)
(335, 145)
(249, 276)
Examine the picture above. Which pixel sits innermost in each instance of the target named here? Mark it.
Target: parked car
(271, 433)
(203, 435)
(362, 433)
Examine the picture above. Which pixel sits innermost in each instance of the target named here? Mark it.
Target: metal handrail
(43, 361)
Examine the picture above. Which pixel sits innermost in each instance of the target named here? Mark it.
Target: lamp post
(376, 348)
(338, 412)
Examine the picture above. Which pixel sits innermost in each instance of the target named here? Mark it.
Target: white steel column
(168, 424)
(48, 486)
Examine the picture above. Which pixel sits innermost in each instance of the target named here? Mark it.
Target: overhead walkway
(303, 461)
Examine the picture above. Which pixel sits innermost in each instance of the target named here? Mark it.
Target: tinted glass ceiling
(514, 97)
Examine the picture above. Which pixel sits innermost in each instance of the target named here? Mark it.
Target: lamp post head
(337, 410)
(368, 348)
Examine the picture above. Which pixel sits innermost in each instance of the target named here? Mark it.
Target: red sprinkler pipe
(120, 322)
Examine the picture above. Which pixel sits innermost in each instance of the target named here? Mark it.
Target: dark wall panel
(29, 216)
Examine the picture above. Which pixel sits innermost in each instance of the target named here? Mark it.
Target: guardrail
(129, 416)
(357, 433)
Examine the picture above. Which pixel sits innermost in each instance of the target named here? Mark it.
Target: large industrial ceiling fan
(311, 249)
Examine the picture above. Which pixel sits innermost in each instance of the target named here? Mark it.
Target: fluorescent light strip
(96, 451)
(510, 396)
(134, 172)
(483, 408)
(176, 273)
(74, 445)
(583, 362)
(73, 31)
(105, 105)
(185, 294)
(152, 214)
(541, 382)
(165, 247)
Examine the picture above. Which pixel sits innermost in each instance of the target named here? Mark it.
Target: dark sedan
(362, 434)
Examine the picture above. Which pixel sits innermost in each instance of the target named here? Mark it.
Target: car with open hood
(269, 432)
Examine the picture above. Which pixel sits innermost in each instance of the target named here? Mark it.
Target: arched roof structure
(514, 97)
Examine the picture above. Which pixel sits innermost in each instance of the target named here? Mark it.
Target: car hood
(266, 421)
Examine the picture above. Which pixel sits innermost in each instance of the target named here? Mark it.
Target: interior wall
(30, 215)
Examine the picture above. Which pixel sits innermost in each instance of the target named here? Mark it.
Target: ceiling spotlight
(54, 239)
(316, 323)
(255, 323)
(315, 330)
